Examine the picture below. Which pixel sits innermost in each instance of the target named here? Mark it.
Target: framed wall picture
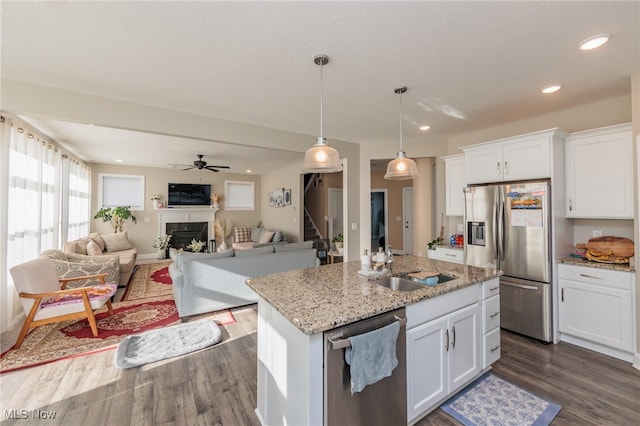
(276, 197)
(287, 197)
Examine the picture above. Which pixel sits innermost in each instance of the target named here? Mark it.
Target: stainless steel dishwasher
(383, 403)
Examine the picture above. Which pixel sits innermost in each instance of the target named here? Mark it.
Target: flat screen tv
(189, 194)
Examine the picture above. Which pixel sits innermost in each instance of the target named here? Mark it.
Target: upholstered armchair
(45, 298)
(70, 265)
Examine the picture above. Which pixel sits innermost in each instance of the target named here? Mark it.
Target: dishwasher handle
(344, 343)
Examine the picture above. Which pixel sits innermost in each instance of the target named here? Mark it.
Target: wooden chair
(45, 298)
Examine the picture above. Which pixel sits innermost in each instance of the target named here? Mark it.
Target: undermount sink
(399, 284)
(408, 284)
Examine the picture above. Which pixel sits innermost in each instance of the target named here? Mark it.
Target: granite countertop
(325, 297)
(624, 267)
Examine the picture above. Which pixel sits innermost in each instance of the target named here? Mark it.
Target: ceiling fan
(200, 164)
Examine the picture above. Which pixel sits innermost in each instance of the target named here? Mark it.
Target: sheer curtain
(30, 187)
(76, 201)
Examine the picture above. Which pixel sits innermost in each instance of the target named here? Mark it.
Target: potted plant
(196, 246)
(117, 216)
(161, 243)
(338, 240)
(432, 244)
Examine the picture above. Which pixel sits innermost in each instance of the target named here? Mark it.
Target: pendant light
(401, 167)
(321, 158)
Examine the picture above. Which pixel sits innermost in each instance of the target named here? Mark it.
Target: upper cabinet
(455, 182)
(599, 173)
(517, 158)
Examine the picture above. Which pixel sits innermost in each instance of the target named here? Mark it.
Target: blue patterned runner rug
(491, 400)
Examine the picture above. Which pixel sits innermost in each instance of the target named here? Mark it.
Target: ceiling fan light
(321, 158)
(401, 168)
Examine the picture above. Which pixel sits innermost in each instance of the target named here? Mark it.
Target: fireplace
(189, 224)
(183, 232)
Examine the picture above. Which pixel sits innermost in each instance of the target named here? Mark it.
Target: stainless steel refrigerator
(508, 227)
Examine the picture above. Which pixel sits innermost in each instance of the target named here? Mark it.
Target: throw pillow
(98, 239)
(277, 237)
(242, 235)
(116, 242)
(266, 236)
(69, 247)
(254, 251)
(294, 246)
(81, 246)
(256, 233)
(93, 249)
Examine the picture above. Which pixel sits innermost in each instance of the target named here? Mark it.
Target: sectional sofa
(210, 282)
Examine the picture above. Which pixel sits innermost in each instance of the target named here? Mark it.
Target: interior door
(407, 216)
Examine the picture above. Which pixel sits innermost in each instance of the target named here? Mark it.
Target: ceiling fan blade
(211, 169)
(219, 167)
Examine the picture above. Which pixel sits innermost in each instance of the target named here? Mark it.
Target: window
(121, 190)
(239, 195)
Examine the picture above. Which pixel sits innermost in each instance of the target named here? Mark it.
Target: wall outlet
(597, 233)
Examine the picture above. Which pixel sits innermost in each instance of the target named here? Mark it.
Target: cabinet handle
(495, 314)
(491, 289)
(447, 345)
(454, 338)
(570, 204)
(506, 168)
(591, 276)
(498, 168)
(495, 348)
(562, 294)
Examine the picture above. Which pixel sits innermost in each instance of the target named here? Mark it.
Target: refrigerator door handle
(495, 236)
(500, 232)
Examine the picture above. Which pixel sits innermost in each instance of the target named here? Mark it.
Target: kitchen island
(296, 307)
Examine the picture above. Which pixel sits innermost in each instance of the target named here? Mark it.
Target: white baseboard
(636, 361)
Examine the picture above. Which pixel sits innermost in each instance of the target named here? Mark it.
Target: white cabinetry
(455, 182)
(490, 303)
(447, 254)
(599, 173)
(517, 158)
(597, 309)
(443, 348)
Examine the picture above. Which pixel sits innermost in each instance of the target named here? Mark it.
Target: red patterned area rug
(146, 306)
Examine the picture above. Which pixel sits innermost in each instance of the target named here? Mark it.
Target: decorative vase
(161, 254)
(222, 246)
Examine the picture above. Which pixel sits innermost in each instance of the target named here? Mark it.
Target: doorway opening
(379, 222)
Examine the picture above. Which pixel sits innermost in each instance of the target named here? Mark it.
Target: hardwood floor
(217, 386)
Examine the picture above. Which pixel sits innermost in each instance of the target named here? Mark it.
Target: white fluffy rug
(167, 342)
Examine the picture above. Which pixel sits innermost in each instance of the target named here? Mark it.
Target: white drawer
(491, 313)
(490, 347)
(447, 254)
(608, 277)
(490, 288)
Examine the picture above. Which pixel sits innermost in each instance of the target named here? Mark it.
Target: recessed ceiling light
(118, 161)
(425, 127)
(249, 171)
(595, 41)
(551, 89)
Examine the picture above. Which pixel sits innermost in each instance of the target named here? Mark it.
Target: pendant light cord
(321, 96)
(401, 121)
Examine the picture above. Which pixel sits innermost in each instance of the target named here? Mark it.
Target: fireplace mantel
(187, 215)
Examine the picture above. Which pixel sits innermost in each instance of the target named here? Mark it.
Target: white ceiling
(467, 65)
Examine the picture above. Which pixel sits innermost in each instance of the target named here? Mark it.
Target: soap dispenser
(365, 261)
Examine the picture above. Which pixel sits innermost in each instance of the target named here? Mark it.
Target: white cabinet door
(599, 173)
(455, 182)
(483, 164)
(465, 348)
(527, 159)
(597, 305)
(427, 364)
(442, 356)
(597, 313)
